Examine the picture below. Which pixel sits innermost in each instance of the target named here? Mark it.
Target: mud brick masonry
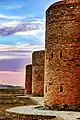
(28, 79)
(62, 50)
(56, 71)
(38, 73)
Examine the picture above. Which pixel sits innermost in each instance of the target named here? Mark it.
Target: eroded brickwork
(38, 73)
(62, 63)
(28, 79)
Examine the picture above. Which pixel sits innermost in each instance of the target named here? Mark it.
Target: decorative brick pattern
(38, 73)
(62, 54)
(28, 80)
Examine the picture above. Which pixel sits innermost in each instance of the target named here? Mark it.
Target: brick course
(38, 73)
(28, 79)
(62, 54)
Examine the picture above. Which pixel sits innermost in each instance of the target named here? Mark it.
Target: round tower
(28, 80)
(62, 54)
(38, 73)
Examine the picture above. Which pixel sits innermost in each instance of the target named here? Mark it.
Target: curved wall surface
(62, 54)
(28, 80)
(38, 73)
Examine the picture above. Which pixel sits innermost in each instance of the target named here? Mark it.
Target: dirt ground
(8, 101)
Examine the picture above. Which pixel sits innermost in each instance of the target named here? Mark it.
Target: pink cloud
(12, 78)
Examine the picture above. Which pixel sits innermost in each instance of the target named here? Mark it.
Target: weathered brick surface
(71, 1)
(62, 63)
(28, 79)
(38, 73)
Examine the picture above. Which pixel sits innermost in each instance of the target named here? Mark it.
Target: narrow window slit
(51, 54)
(61, 88)
(60, 54)
(46, 89)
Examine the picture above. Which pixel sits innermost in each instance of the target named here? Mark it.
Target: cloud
(12, 77)
(18, 51)
(14, 64)
(14, 7)
(19, 47)
(2, 16)
(16, 57)
(6, 57)
(11, 7)
(9, 24)
(28, 33)
(21, 28)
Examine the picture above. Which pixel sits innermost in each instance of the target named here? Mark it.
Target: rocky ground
(23, 107)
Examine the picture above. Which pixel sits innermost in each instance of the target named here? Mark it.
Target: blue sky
(22, 31)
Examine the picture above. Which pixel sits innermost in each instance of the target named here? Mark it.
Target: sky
(22, 31)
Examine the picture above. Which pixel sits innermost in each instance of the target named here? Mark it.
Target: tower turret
(28, 79)
(62, 55)
(38, 73)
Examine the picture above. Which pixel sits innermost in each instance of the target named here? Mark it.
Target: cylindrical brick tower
(28, 80)
(62, 54)
(38, 73)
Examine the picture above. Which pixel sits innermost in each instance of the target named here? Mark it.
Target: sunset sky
(22, 31)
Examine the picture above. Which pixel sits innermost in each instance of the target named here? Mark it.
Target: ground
(20, 104)
(41, 113)
(11, 100)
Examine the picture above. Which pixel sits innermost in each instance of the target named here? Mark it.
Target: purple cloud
(13, 64)
(20, 27)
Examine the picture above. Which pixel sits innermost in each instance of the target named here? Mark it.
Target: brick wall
(28, 79)
(62, 63)
(38, 73)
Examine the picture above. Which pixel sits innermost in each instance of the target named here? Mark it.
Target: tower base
(63, 107)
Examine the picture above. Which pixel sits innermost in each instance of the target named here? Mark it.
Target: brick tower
(28, 80)
(38, 73)
(62, 55)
